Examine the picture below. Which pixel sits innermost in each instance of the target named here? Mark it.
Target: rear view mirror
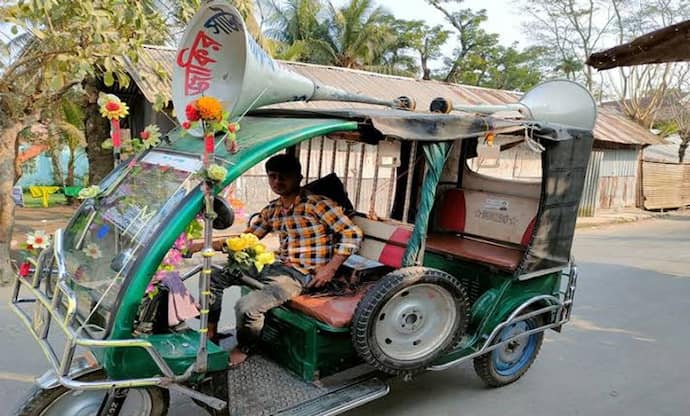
(225, 215)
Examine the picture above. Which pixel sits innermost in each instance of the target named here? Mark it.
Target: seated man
(316, 237)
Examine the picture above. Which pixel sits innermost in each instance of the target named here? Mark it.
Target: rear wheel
(60, 401)
(510, 361)
(409, 318)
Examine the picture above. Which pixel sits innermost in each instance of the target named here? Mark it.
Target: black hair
(284, 163)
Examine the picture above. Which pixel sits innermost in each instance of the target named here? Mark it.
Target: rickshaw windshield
(109, 231)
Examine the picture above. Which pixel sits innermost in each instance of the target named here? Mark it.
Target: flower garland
(173, 258)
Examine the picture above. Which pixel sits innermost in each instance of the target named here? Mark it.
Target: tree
(676, 119)
(504, 68)
(355, 32)
(295, 26)
(428, 45)
(71, 41)
(570, 30)
(471, 38)
(643, 91)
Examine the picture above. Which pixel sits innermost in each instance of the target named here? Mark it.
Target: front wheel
(510, 361)
(60, 401)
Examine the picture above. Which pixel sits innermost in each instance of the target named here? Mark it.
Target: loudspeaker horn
(557, 101)
(218, 57)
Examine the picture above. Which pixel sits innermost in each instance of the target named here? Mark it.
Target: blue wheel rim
(511, 358)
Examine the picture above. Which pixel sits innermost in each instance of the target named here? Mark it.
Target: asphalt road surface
(624, 353)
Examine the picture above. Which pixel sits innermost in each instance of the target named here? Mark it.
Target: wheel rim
(415, 322)
(513, 356)
(86, 403)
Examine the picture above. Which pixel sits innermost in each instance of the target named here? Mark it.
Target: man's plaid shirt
(311, 231)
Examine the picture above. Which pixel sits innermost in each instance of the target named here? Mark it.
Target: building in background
(613, 179)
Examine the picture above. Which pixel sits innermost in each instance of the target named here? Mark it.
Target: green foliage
(69, 41)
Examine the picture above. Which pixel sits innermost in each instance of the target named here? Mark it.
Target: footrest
(342, 400)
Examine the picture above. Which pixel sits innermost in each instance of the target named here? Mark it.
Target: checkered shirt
(311, 231)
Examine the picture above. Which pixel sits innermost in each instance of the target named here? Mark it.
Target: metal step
(340, 401)
(260, 387)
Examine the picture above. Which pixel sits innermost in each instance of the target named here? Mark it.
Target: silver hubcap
(86, 403)
(513, 350)
(415, 322)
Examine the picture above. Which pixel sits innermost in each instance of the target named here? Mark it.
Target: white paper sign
(497, 204)
(179, 162)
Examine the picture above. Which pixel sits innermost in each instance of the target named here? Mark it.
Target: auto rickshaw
(461, 267)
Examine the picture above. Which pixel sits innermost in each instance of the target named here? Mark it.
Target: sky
(502, 18)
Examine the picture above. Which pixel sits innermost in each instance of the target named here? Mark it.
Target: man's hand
(323, 275)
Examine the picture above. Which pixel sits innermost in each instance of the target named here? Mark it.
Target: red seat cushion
(451, 211)
(335, 311)
(505, 258)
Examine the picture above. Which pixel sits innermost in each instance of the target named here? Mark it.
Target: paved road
(625, 353)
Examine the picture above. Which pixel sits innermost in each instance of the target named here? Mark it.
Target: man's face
(284, 183)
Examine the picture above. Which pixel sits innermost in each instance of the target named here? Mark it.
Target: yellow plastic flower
(259, 249)
(216, 172)
(236, 244)
(210, 109)
(266, 258)
(250, 239)
(111, 107)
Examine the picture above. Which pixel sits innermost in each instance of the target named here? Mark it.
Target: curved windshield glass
(109, 231)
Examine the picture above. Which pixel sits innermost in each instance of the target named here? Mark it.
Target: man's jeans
(282, 283)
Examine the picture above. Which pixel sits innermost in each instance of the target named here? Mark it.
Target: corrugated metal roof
(610, 127)
(666, 153)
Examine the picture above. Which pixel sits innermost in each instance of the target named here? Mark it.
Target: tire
(408, 319)
(511, 361)
(149, 401)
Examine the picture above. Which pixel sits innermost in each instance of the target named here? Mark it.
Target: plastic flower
(259, 249)
(250, 239)
(209, 109)
(89, 192)
(111, 107)
(38, 239)
(173, 258)
(186, 125)
(216, 172)
(264, 259)
(92, 250)
(192, 112)
(24, 269)
(182, 242)
(236, 244)
(151, 136)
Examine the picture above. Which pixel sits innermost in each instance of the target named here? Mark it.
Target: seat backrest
(498, 217)
(384, 240)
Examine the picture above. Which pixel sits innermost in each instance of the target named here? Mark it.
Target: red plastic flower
(232, 128)
(186, 125)
(192, 112)
(112, 106)
(24, 269)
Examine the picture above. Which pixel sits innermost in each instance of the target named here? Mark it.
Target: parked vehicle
(467, 267)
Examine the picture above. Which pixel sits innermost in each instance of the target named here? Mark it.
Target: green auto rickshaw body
(311, 348)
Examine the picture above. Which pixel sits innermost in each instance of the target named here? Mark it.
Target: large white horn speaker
(217, 57)
(558, 101)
